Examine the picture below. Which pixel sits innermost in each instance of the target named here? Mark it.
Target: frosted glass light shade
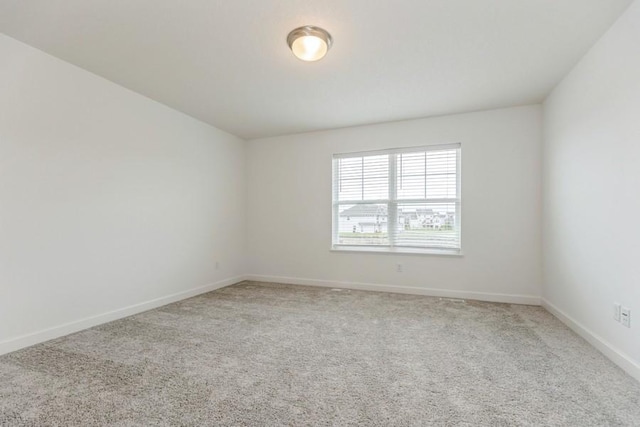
(309, 43)
(309, 48)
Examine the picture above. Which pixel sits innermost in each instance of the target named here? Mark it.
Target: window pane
(376, 177)
(363, 178)
(349, 178)
(363, 224)
(427, 225)
(411, 175)
(411, 187)
(441, 186)
(430, 174)
(441, 173)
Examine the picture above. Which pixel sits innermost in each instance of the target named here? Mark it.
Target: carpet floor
(269, 354)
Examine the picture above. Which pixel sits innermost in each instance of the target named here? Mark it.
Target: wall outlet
(398, 268)
(217, 265)
(625, 317)
(616, 311)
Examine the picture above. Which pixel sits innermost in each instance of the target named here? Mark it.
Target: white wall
(107, 199)
(592, 192)
(289, 207)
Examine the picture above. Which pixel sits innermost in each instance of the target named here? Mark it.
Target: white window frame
(393, 202)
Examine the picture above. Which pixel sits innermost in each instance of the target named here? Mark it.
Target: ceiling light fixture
(309, 43)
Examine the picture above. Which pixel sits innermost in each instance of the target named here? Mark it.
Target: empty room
(320, 213)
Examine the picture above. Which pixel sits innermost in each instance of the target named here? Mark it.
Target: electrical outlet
(398, 268)
(616, 311)
(217, 265)
(625, 317)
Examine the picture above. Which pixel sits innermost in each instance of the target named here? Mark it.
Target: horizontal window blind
(401, 198)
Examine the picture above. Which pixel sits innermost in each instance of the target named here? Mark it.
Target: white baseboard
(619, 358)
(23, 341)
(445, 293)
(615, 355)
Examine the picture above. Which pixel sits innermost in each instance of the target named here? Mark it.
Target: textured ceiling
(226, 62)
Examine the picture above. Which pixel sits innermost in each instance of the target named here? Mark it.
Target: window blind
(399, 198)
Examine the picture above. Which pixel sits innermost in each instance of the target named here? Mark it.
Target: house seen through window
(398, 200)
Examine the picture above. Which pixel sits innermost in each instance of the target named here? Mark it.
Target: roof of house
(365, 210)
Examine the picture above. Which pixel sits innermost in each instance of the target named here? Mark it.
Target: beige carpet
(267, 354)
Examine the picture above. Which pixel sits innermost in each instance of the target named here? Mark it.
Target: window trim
(396, 250)
(392, 203)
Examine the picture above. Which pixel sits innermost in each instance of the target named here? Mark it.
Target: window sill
(398, 251)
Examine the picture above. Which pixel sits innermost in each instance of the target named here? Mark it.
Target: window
(400, 200)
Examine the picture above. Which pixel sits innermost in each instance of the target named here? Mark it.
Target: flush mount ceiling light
(309, 43)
